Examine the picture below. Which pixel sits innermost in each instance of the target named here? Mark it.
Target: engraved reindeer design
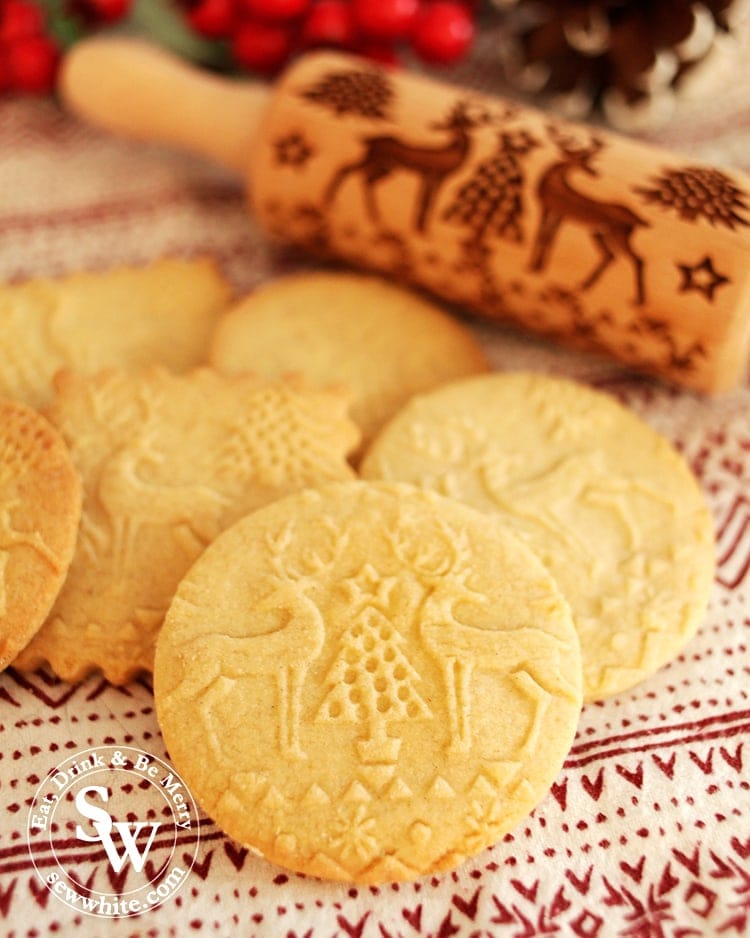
(286, 651)
(385, 154)
(610, 224)
(543, 500)
(133, 499)
(526, 653)
(10, 538)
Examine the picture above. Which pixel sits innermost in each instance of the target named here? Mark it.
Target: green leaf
(160, 21)
(62, 27)
(163, 22)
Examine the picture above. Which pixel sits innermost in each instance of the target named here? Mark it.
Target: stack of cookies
(374, 580)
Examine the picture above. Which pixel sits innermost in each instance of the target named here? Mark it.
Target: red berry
(261, 46)
(330, 23)
(93, 13)
(108, 11)
(444, 32)
(32, 64)
(386, 19)
(19, 19)
(212, 18)
(380, 53)
(277, 9)
(4, 75)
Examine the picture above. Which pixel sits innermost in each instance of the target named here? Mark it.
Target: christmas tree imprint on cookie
(368, 682)
(168, 462)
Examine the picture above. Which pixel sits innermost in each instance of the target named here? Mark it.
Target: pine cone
(630, 58)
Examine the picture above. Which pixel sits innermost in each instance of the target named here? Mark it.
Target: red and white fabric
(646, 832)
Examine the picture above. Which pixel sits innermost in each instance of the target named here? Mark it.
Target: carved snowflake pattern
(351, 833)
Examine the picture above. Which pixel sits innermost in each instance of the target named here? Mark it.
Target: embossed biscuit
(385, 342)
(40, 507)
(603, 499)
(368, 682)
(128, 317)
(167, 462)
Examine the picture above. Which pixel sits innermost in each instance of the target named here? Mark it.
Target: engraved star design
(701, 278)
(369, 588)
(293, 150)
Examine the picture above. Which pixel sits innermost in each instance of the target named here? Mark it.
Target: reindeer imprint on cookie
(165, 468)
(601, 498)
(361, 635)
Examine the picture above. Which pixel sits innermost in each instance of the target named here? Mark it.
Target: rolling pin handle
(133, 89)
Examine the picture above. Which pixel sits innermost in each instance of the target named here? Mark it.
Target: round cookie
(604, 500)
(367, 682)
(384, 341)
(125, 317)
(40, 507)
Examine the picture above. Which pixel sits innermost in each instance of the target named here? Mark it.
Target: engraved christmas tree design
(367, 92)
(697, 192)
(371, 681)
(491, 201)
(285, 437)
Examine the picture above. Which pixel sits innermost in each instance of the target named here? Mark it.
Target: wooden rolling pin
(573, 232)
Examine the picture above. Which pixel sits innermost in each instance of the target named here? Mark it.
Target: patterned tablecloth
(646, 832)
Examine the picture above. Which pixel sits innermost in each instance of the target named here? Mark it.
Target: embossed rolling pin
(575, 233)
